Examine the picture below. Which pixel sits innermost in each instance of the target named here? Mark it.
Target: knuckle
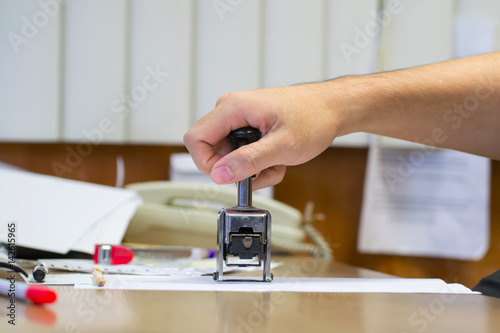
(235, 100)
(271, 176)
(277, 174)
(188, 138)
(204, 169)
(203, 166)
(223, 98)
(288, 144)
(280, 174)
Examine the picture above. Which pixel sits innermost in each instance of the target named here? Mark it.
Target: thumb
(246, 161)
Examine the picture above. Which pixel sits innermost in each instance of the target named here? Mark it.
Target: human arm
(453, 104)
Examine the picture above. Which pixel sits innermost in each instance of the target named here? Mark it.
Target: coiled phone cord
(320, 247)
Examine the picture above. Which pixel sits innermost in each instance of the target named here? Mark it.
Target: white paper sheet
(425, 202)
(279, 284)
(180, 267)
(110, 229)
(55, 214)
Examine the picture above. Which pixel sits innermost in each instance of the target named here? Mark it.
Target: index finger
(206, 140)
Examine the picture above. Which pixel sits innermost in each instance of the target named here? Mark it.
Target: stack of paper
(59, 215)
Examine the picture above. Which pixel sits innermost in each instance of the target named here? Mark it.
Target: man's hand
(454, 104)
(297, 123)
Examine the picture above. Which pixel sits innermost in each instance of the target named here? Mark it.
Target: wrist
(362, 103)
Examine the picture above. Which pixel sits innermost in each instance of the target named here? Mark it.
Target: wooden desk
(178, 311)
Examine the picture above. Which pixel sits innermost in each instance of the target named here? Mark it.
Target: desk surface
(181, 311)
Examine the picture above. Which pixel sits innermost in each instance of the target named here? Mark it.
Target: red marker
(112, 254)
(20, 290)
(118, 254)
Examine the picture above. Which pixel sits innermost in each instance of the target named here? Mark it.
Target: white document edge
(281, 284)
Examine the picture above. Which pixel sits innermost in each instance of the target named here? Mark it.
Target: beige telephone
(185, 214)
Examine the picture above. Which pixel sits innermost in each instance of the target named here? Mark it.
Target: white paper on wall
(425, 202)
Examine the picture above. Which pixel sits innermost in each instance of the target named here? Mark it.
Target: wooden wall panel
(333, 181)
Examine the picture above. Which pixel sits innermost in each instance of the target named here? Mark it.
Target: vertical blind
(127, 71)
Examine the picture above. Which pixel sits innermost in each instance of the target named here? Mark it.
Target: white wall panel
(108, 52)
(229, 49)
(481, 10)
(348, 50)
(161, 40)
(29, 71)
(95, 76)
(294, 42)
(421, 33)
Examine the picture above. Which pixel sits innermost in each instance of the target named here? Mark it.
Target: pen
(7, 263)
(98, 277)
(40, 271)
(108, 254)
(20, 290)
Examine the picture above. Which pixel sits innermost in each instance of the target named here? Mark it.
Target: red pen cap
(112, 254)
(40, 295)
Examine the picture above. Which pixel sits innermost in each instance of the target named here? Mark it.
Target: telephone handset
(185, 214)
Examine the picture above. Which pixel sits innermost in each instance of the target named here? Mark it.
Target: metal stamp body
(244, 231)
